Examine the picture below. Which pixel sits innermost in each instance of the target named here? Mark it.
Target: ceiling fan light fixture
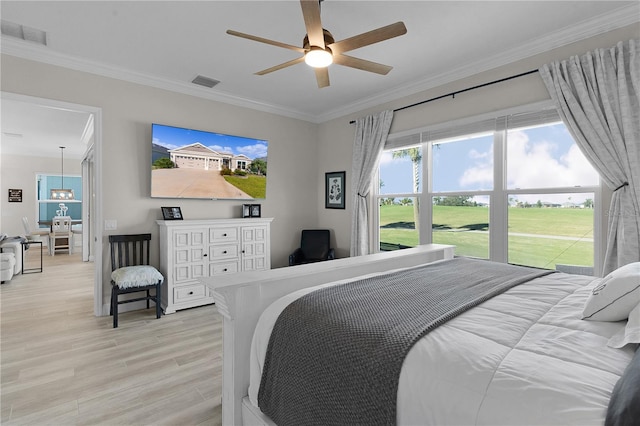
(317, 57)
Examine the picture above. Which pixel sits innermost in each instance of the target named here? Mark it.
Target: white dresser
(195, 249)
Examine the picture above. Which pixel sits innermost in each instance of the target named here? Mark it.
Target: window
(47, 208)
(515, 189)
(400, 180)
(463, 221)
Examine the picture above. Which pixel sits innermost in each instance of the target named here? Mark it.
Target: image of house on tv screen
(187, 163)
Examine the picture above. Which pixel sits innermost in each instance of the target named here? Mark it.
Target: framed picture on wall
(15, 195)
(334, 190)
(171, 213)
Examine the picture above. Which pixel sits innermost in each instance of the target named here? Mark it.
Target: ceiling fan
(319, 48)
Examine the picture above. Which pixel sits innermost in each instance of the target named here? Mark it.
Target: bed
(523, 356)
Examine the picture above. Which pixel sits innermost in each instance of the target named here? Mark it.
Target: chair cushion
(136, 276)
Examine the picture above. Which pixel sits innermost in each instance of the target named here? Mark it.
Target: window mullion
(424, 199)
(498, 214)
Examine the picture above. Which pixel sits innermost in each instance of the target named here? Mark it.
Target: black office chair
(314, 247)
(131, 272)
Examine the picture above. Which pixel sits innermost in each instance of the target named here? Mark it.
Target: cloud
(541, 165)
(532, 165)
(481, 173)
(257, 150)
(157, 141)
(387, 158)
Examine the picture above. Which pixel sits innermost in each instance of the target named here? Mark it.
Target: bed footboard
(243, 297)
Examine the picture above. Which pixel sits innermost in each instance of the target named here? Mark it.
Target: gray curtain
(371, 135)
(598, 98)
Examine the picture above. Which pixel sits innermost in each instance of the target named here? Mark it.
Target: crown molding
(615, 19)
(35, 52)
(589, 28)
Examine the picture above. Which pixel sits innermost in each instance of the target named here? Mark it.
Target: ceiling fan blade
(279, 67)
(312, 22)
(370, 37)
(322, 77)
(265, 40)
(361, 64)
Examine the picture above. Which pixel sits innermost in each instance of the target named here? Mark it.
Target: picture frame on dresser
(171, 213)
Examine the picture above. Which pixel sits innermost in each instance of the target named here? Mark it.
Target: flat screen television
(188, 163)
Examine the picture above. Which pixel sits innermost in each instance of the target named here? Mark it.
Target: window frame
(540, 113)
(45, 201)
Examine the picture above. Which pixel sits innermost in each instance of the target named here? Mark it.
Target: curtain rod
(453, 94)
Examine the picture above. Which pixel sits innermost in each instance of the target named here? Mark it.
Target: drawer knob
(190, 292)
(224, 235)
(205, 255)
(224, 252)
(224, 270)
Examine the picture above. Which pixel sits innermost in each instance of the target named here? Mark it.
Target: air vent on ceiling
(23, 32)
(205, 81)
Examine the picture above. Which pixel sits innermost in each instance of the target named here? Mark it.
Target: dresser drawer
(223, 251)
(223, 268)
(221, 235)
(189, 292)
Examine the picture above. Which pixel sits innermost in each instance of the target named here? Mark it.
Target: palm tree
(415, 155)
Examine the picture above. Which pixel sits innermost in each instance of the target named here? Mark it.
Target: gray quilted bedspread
(335, 354)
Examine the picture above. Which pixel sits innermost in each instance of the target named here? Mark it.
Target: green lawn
(465, 227)
(255, 186)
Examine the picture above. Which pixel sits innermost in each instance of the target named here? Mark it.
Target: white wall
(19, 171)
(300, 153)
(127, 113)
(335, 138)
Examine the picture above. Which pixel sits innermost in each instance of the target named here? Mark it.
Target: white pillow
(615, 297)
(630, 334)
(136, 276)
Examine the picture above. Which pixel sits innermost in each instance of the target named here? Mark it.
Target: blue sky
(174, 137)
(538, 157)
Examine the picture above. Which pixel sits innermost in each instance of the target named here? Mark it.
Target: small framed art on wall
(334, 190)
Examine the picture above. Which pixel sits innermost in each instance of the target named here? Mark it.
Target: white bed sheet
(523, 357)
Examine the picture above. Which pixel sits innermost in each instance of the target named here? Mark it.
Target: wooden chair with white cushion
(132, 273)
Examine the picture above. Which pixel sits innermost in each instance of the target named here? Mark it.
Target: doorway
(91, 135)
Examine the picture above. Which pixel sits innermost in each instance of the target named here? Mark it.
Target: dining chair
(33, 234)
(60, 235)
(131, 272)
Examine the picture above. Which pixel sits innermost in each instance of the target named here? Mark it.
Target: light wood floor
(61, 365)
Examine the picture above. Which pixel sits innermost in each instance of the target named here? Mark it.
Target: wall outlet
(110, 225)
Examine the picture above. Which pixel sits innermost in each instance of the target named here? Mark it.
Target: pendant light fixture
(62, 194)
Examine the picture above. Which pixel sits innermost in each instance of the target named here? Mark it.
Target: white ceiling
(33, 129)
(168, 43)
